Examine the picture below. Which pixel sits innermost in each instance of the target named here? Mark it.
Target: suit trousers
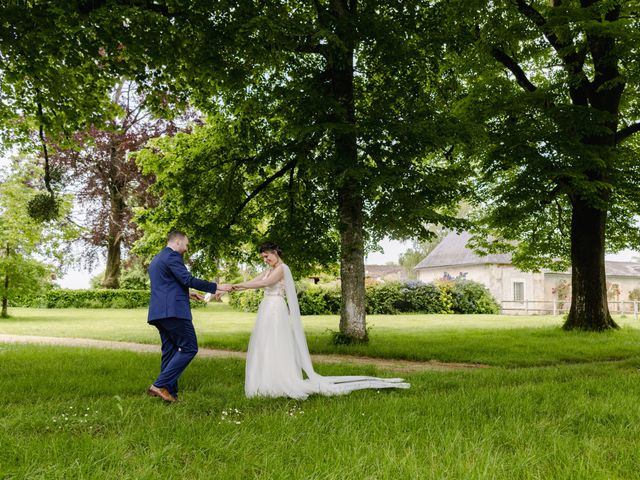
(179, 346)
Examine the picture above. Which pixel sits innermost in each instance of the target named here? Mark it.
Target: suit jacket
(170, 283)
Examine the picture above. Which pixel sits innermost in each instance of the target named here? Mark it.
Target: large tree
(346, 98)
(53, 81)
(106, 181)
(332, 132)
(555, 85)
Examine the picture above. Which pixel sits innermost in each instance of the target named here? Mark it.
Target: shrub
(247, 301)
(446, 296)
(384, 298)
(472, 297)
(312, 302)
(421, 298)
(332, 298)
(97, 298)
(459, 296)
(135, 278)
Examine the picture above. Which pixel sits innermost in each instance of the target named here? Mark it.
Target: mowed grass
(512, 341)
(69, 413)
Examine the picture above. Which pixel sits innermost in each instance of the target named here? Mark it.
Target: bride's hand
(218, 295)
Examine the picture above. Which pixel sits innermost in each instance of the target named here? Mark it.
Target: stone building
(524, 292)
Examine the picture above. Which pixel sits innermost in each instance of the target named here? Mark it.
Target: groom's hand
(224, 287)
(196, 296)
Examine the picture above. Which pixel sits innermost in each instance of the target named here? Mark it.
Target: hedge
(458, 296)
(96, 298)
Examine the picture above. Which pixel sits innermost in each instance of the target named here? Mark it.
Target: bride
(278, 354)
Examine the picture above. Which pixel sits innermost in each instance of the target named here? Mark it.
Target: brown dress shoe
(163, 393)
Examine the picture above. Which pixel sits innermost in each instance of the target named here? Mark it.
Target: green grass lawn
(69, 413)
(514, 341)
(554, 405)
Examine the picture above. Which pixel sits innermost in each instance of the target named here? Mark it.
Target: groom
(170, 313)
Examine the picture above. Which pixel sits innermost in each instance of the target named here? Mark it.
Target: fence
(556, 307)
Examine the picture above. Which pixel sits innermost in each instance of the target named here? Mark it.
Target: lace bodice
(276, 289)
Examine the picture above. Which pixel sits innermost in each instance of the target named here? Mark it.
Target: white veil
(322, 384)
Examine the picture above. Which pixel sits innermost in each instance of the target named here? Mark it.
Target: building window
(518, 291)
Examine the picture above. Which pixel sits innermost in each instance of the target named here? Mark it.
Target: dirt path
(383, 363)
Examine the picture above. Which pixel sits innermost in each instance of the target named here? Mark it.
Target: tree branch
(513, 66)
(626, 132)
(47, 171)
(291, 164)
(572, 57)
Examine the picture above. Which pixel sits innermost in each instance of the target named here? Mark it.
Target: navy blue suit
(170, 313)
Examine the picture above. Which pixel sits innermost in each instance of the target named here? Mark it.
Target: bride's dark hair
(270, 247)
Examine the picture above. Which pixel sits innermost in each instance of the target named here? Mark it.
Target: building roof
(377, 271)
(453, 251)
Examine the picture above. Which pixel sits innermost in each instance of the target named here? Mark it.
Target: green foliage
(44, 207)
(96, 280)
(446, 296)
(97, 298)
(312, 302)
(135, 277)
(104, 298)
(549, 98)
(391, 298)
(421, 297)
(269, 151)
(472, 297)
(384, 298)
(132, 277)
(24, 241)
(246, 301)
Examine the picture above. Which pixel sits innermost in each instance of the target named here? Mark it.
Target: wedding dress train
(278, 353)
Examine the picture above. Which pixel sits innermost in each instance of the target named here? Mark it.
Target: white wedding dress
(278, 354)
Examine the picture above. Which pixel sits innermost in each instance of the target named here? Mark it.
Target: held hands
(222, 289)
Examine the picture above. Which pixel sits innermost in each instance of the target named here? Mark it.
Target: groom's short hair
(174, 235)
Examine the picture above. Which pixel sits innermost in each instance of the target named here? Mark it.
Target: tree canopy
(25, 242)
(553, 89)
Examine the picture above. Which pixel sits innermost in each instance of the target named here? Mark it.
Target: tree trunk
(352, 309)
(116, 221)
(589, 307)
(114, 255)
(350, 203)
(5, 297)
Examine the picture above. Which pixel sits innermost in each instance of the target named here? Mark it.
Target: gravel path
(383, 363)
